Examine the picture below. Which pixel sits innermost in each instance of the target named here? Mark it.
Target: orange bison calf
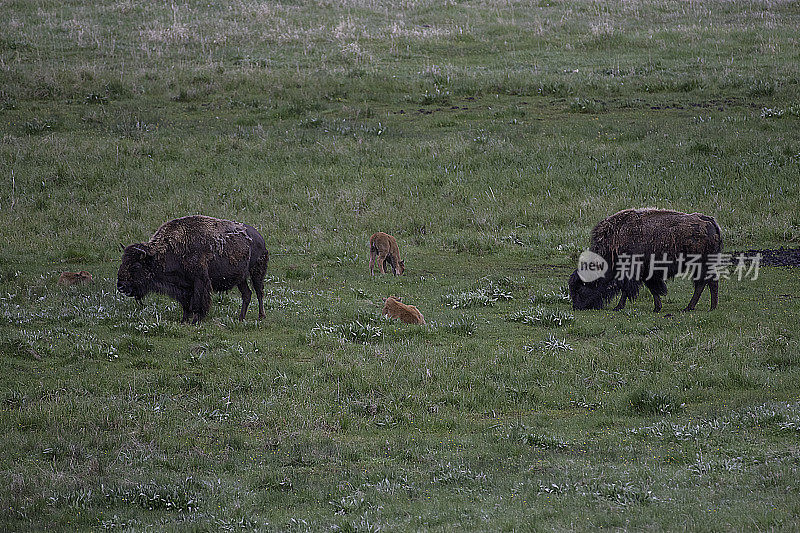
(384, 247)
(394, 308)
(74, 278)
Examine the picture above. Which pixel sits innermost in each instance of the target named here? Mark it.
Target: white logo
(591, 266)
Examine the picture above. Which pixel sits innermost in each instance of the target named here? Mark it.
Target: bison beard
(189, 257)
(648, 233)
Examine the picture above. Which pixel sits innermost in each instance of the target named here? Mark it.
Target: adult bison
(188, 257)
(650, 246)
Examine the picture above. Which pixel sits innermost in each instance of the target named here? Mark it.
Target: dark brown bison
(666, 242)
(189, 257)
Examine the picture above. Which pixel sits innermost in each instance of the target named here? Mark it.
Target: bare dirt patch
(780, 257)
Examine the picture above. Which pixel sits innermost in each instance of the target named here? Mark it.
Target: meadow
(489, 137)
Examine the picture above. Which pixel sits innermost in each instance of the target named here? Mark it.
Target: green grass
(488, 137)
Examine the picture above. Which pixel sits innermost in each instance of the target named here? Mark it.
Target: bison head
(593, 295)
(135, 275)
(401, 267)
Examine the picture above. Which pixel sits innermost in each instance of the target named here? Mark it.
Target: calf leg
(698, 290)
(372, 254)
(246, 295)
(390, 260)
(621, 305)
(382, 261)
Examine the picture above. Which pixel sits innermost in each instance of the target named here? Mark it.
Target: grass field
(489, 137)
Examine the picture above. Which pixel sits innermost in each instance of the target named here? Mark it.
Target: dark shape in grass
(649, 235)
(775, 257)
(646, 402)
(189, 257)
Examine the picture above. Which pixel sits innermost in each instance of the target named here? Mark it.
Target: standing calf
(661, 239)
(189, 257)
(384, 247)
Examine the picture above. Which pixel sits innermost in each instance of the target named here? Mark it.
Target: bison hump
(197, 233)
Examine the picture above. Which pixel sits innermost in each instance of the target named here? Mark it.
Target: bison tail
(716, 237)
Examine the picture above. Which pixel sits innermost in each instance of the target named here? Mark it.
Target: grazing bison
(74, 278)
(666, 242)
(384, 247)
(394, 308)
(189, 257)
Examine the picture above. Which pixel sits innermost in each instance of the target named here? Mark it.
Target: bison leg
(381, 262)
(714, 288)
(257, 277)
(201, 298)
(372, 255)
(258, 285)
(657, 288)
(621, 305)
(390, 260)
(698, 290)
(185, 300)
(656, 303)
(185, 315)
(247, 294)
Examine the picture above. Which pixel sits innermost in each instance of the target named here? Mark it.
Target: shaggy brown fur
(383, 247)
(75, 278)
(648, 233)
(394, 308)
(188, 257)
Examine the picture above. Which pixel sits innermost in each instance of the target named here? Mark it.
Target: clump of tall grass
(672, 431)
(783, 416)
(776, 112)
(456, 474)
(649, 402)
(462, 325)
(497, 289)
(352, 503)
(356, 331)
(586, 105)
(554, 344)
(524, 434)
(466, 299)
(542, 316)
(551, 344)
(555, 296)
(618, 493)
(181, 497)
(488, 292)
